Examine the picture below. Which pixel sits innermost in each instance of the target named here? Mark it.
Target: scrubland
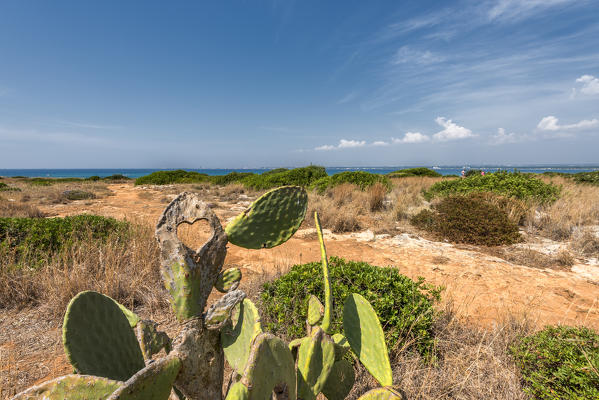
(549, 224)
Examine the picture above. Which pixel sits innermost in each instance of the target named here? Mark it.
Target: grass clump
(587, 177)
(510, 184)
(6, 188)
(560, 362)
(362, 179)
(77, 194)
(468, 219)
(171, 177)
(40, 238)
(404, 306)
(402, 173)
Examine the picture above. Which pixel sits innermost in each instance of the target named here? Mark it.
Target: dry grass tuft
(565, 259)
(586, 243)
(376, 197)
(19, 209)
(337, 218)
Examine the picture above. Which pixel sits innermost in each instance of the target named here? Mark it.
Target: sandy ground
(484, 289)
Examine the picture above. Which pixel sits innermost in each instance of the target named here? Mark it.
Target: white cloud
(452, 131)
(343, 144)
(380, 143)
(502, 137)
(412, 137)
(551, 123)
(512, 10)
(347, 98)
(405, 55)
(590, 84)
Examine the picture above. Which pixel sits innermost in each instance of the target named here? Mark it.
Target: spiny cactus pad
(98, 339)
(151, 340)
(315, 360)
(220, 312)
(340, 381)
(237, 337)
(270, 365)
(366, 338)
(341, 345)
(385, 393)
(238, 392)
(228, 280)
(154, 382)
(71, 387)
(131, 316)
(315, 310)
(271, 220)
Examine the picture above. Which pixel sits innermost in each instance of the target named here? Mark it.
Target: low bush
(114, 177)
(304, 176)
(404, 306)
(473, 172)
(172, 177)
(232, 177)
(468, 219)
(510, 184)
(6, 188)
(402, 173)
(275, 171)
(362, 179)
(587, 177)
(77, 194)
(560, 362)
(45, 236)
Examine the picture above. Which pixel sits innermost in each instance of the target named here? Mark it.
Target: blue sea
(443, 170)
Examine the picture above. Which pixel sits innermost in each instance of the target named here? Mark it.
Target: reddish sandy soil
(483, 289)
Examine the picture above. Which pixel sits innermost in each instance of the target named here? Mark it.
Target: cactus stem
(328, 298)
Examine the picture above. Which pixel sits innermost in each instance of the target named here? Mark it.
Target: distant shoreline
(137, 172)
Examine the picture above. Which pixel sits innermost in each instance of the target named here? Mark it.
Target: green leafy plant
(468, 219)
(304, 176)
(171, 177)
(404, 306)
(510, 184)
(560, 362)
(362, 179)
(587, 177)
(402, 173)
(6, 188)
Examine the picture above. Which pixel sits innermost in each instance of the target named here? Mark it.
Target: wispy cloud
(73, 124)
(407, 55)
(502, 137)
(590, 84)
(451, 131)
(514, 10)
(343, 144)
(380, 143)
(551, 123)
(348, 97)
(412, 137)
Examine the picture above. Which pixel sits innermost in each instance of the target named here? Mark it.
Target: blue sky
(233, 84)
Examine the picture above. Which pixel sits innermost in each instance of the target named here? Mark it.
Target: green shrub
(469, 219)
(275, 171)
(473, 172)
(45, 236)
(362, 179)
(5, 188)
(404, 307)
(172, 177)
(402, 173)
(114, 177)
(560, 362)
(51, 181)
(94, 178)
(304, 176)
(587, 177)
(514, 184)
(230, 178)
(77, 194)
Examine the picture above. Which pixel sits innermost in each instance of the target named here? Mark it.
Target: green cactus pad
(295, 344)
(386, 393)
(236, 338)
(98, 339)
(238, 392)
(341, 345)
(365, 336)
(182, 283)
(270, 365)
(131, 316)
(315, 360)
(340, 381)
(271, 220)
(151, 340)
(228, 280)
(154, 382)
(71, 387)
(315, 310)
(328, 296)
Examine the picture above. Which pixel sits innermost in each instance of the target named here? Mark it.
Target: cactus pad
(365, 336)
(220, 312)
(228, 280)
(71, 387)
(340, 381)
(237, 337)
(98, 339)
(386, 393)
(271, 220)
(151, 340)
(269, 366)
(341, 345)
(328, 296)
(315, 310)
(238, 392)
(131, 316)
(315, 360)
(154, 382)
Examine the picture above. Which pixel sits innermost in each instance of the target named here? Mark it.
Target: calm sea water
(444, 170)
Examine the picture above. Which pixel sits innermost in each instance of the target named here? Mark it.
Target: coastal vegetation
(403, 173)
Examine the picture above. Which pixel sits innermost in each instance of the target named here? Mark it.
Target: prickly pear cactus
(154, 382)
(237, 337)
(315, 360)
(341, 345)
(366, 338)
(238, 392)
(315, 310)
(98, 338)
(219, 313)
(328, 303)
(71, 387)
(340, 381)
(386, 393)
(228, 280)
(270, 220)
(151, 340)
